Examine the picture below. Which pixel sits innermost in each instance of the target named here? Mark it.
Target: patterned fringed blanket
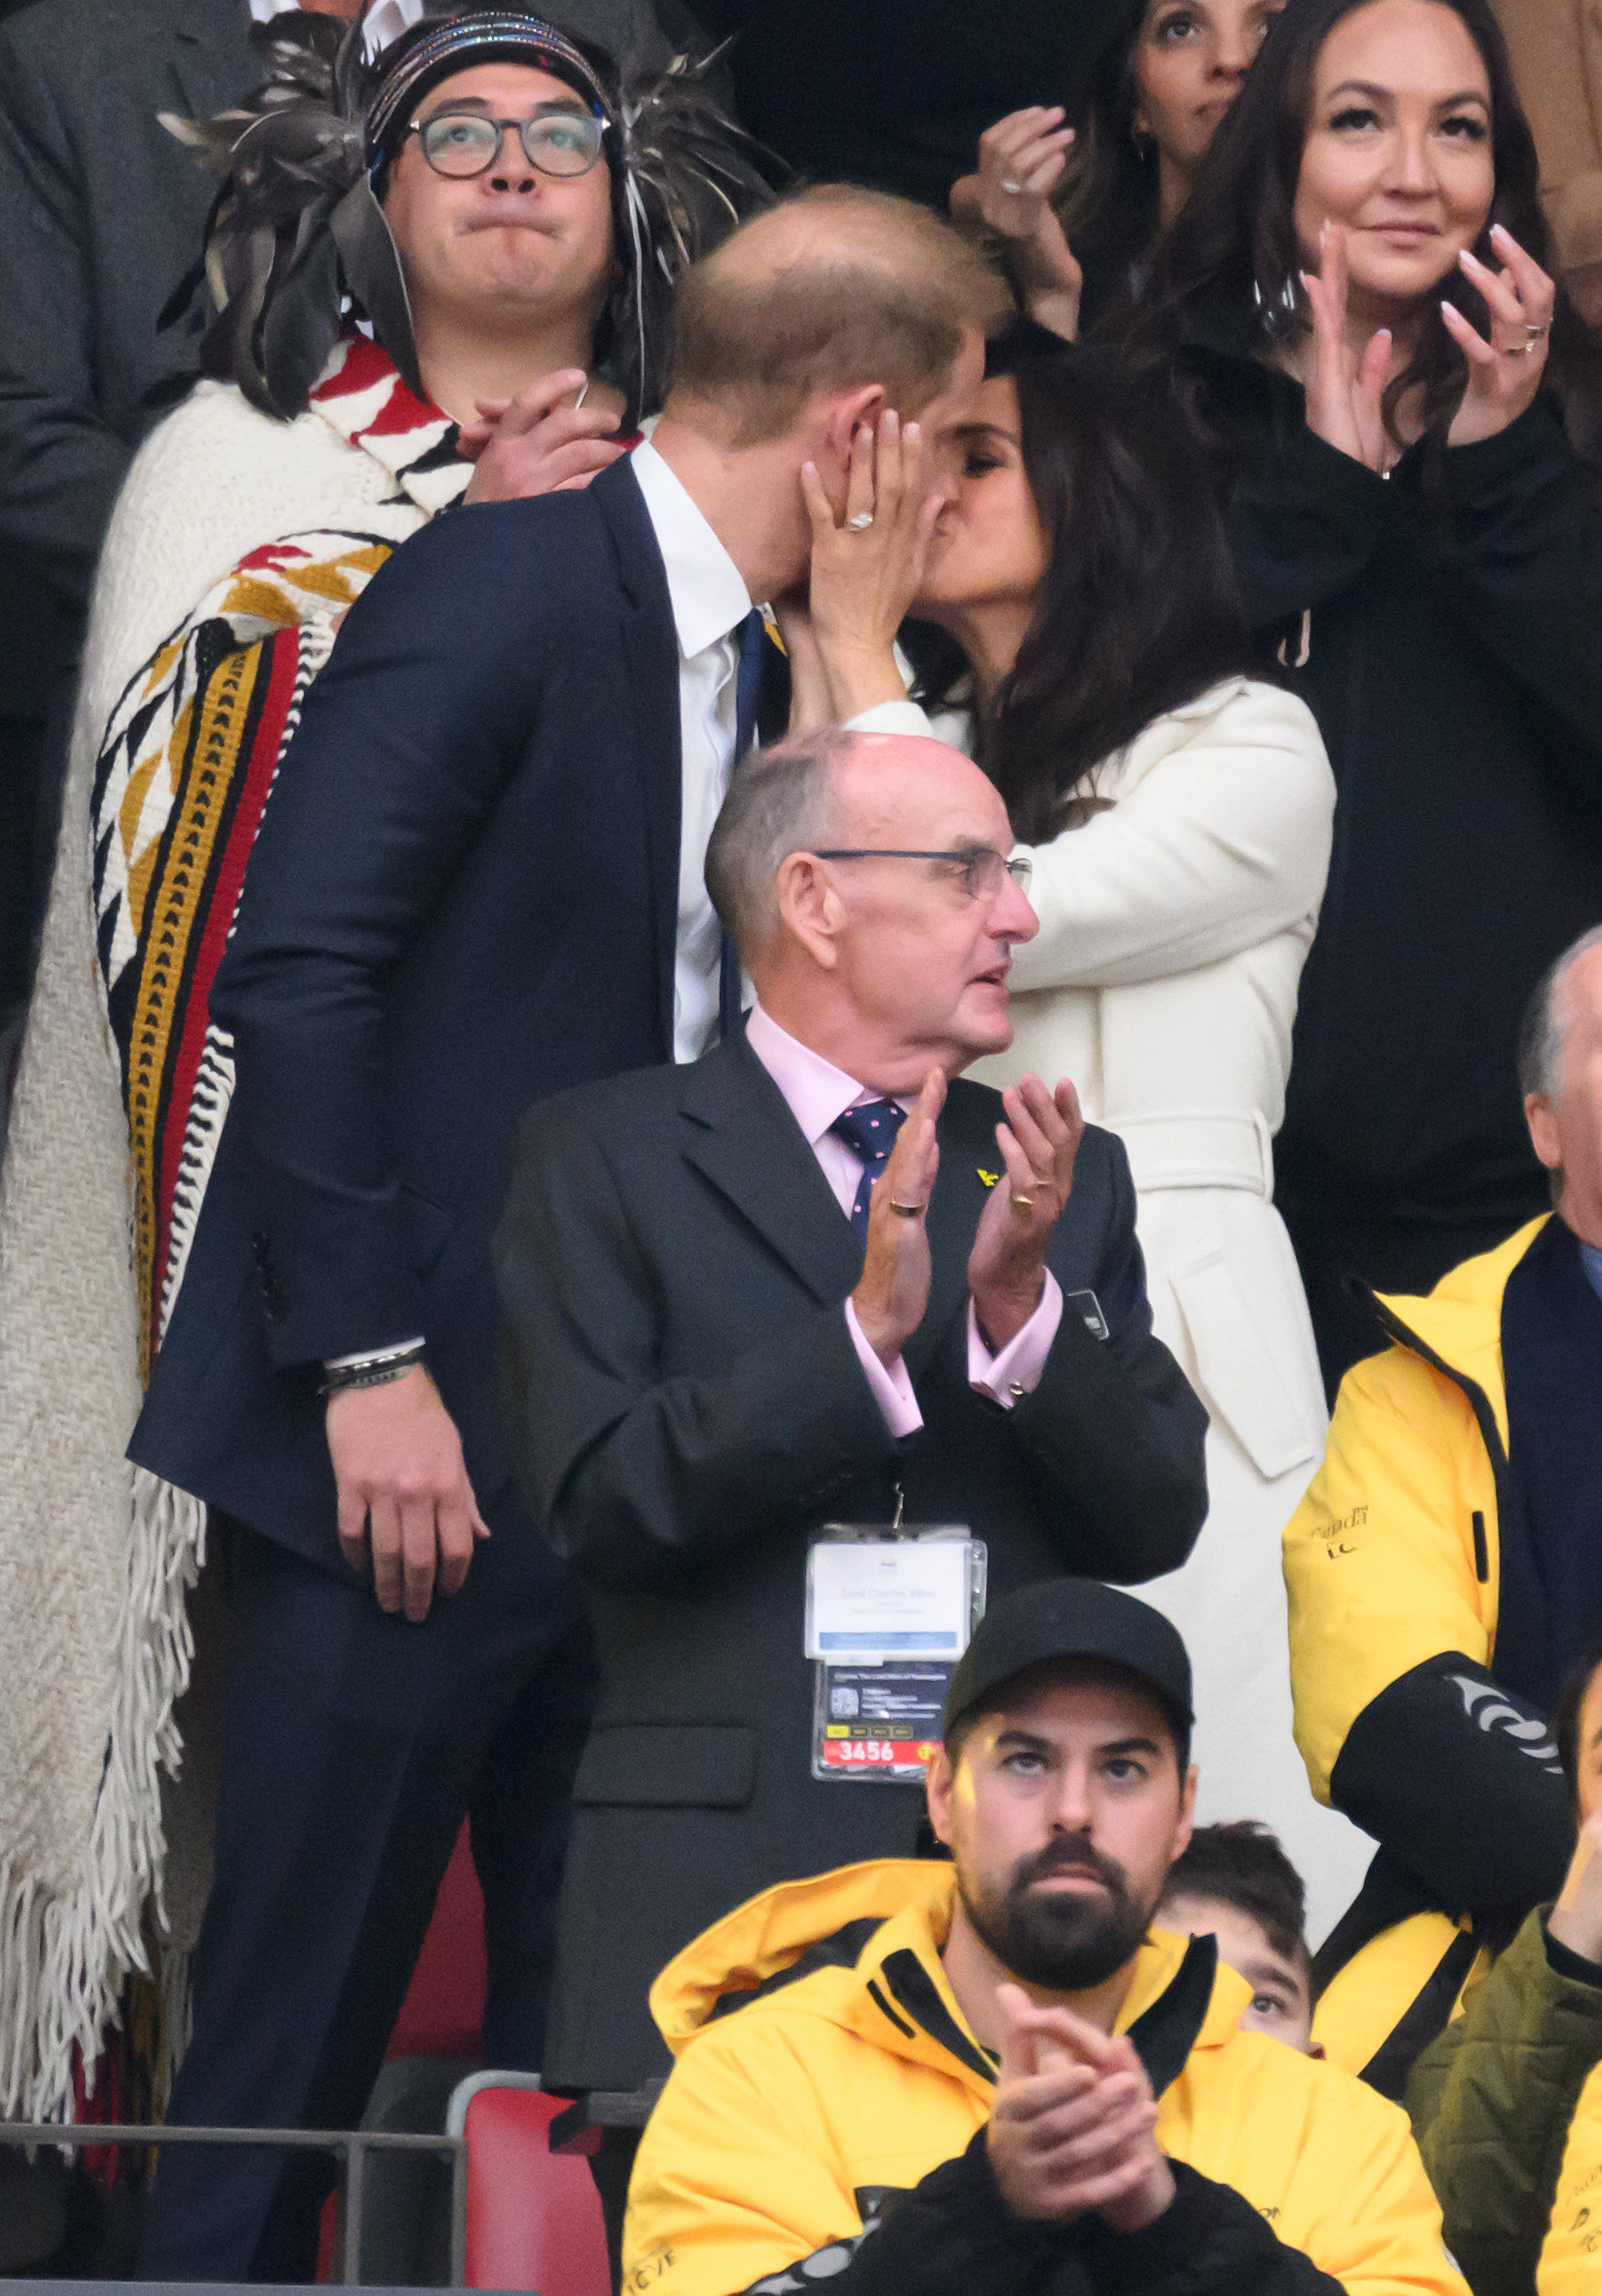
(171, 768)
(179, 792)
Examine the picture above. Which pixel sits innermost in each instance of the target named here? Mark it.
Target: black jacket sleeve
(1521, 552)
(1302, 526)
(407, 738)
(1115, 1429)
(952, 2236)
(639, 1479)
(1459, 1779)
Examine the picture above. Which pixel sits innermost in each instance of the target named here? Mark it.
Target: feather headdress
(297, 226)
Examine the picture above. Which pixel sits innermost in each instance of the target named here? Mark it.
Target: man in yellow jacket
(916, 2079)
(1444, 1577)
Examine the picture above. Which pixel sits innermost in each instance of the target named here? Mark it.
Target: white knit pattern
(96, 1559)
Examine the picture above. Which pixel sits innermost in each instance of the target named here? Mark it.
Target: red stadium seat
(533, 2216)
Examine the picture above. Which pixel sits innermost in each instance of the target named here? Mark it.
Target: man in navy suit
(479, 880)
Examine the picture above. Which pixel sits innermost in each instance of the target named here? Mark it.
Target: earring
(1276, 315)
(1142, 138)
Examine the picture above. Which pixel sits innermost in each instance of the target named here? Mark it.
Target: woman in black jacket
(1404, 408)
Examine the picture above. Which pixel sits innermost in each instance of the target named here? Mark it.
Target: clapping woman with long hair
(1357, 304)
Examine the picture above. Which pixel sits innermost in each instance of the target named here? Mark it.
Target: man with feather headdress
(372, 311)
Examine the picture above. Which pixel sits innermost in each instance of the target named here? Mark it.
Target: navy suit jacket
(463, 896)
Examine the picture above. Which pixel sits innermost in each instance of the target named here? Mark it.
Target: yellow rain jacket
(1393, 1570)
(824, 2068)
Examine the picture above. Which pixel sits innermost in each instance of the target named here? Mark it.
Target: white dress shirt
(816, 1093)
(709, 602)
(385, 20)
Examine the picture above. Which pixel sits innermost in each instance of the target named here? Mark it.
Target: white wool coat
(1173, 929)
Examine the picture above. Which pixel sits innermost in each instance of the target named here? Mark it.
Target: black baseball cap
(1072, 1618)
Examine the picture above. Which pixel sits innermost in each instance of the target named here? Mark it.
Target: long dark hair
(1235, 245)
(1137, 612)
(1107, 201)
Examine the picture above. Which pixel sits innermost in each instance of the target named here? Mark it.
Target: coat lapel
(737, 1131)
(651, 645)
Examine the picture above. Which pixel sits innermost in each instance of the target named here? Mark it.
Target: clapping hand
(1072, 2132)
(1344, 390)
(1038, 1144)
(894, 1289)
(534, 444)
(1021, 160)
(1505, 373)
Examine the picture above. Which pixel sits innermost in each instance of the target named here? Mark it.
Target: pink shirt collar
(815, 1091)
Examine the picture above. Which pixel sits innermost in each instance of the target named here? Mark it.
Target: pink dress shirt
(815, 1092)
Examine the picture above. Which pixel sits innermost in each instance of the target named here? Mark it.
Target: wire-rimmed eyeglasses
(983, 867)
(559, 142)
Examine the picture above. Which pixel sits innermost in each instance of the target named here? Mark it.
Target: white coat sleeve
(1221, 844)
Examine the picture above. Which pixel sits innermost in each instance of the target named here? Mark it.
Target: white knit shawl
(96, 1557)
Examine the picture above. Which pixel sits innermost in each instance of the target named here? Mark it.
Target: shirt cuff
(1016, 1371)
(892, 1387)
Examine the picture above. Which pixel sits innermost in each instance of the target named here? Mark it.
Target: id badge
(890, 1609)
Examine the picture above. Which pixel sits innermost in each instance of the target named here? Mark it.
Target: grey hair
(1540, 1037)
(781, 800)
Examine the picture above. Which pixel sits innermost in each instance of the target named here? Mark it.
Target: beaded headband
(480, 34)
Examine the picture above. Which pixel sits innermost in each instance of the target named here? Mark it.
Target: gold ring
(1535, 329)
(860, 521)
(1518, 350)
(908, 1212)
(1023, 1203)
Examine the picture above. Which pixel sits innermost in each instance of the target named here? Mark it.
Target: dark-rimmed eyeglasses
(558, 142)
(983, 867)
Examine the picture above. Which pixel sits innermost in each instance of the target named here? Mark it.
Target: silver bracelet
(375, 1371)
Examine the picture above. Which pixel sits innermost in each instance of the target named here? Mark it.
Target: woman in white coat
(1177, 808)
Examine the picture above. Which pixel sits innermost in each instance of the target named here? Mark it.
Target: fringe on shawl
(66, 1959)
(63, 1960)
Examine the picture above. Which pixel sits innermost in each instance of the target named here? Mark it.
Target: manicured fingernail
(1499, 231)
(912, 434)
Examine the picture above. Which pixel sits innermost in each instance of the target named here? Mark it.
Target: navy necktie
(869, 1129)
(752, 638)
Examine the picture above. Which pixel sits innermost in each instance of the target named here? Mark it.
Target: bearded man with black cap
(996, 2069)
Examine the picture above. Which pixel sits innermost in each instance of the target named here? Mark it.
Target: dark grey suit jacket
(100, 215)
(684, 1404)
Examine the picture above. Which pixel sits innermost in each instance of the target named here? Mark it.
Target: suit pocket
(1238, 1379)
(667, 1766)
(429, 1224)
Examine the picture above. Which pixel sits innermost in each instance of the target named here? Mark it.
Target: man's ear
(809, 908)
(1542, 1126)
(844, 414)
(938, 1783)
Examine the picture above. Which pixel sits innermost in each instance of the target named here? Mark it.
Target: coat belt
(1198, 1148)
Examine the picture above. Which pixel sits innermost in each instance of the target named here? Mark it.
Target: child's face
(1282, 2005)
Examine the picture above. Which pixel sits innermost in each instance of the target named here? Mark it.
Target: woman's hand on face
(1345, 389)
(1021, 160)
(1505, 373)
(867, 567)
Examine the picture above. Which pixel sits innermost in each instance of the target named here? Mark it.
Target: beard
(1063, 1944)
